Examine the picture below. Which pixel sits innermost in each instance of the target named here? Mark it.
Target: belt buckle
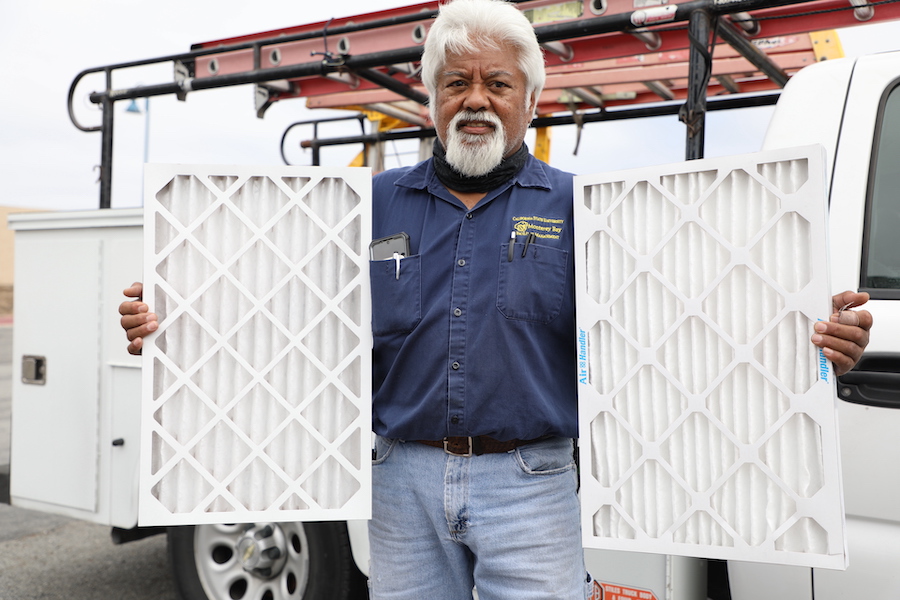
(467, 454)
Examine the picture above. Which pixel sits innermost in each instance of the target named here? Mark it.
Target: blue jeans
(507, 523)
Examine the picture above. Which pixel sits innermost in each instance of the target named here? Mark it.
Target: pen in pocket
(528, 240)
(397, 257)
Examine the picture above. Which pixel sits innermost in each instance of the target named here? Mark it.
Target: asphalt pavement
(47, 557)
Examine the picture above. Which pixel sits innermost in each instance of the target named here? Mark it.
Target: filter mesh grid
(256, 391)
(707, 416)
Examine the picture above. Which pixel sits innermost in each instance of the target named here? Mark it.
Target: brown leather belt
(478, 445)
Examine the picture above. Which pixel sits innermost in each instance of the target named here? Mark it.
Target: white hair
(466, 24)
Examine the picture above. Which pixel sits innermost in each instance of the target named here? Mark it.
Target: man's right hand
(137, 320)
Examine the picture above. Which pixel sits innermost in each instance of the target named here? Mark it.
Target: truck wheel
(265, 561)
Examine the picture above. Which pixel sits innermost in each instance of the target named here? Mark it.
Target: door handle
(875, 381)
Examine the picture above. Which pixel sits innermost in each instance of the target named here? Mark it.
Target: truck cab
(852, 108)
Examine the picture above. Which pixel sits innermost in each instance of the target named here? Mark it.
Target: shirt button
(455, 365)
(454, 420)
(468, 215)
(457, 312)
(461, 262)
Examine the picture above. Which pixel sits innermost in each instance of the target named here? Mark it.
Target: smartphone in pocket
(385, 248)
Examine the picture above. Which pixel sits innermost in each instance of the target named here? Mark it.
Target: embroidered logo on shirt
(542, 227)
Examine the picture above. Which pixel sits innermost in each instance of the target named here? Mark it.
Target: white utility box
(76, 391)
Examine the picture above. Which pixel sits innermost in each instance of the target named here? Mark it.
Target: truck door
(865, 251)
(852, 108)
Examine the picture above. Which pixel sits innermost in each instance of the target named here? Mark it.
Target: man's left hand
(846, 334)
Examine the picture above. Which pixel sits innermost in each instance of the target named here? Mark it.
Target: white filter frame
(698, 283)
(256, 391)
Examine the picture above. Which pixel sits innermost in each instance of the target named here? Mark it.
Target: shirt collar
(422, 176)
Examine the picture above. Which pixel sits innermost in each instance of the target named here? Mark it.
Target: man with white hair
(474, 478)
(474, 387)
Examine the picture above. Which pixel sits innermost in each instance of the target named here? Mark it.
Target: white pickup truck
(852, 108)
(75, 422)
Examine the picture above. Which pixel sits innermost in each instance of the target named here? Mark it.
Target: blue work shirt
(466, 341)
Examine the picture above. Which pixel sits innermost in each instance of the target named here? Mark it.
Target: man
(473, 374)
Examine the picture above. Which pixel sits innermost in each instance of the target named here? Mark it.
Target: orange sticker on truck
(620, 592)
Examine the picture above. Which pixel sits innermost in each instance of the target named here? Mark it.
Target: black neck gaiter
(454, 180)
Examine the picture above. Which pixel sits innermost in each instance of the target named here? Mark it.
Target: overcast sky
(45, 162)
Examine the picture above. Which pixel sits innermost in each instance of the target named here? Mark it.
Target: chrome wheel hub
(260, 561)
(262, 550)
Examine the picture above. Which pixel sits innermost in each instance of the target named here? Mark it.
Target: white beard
(475, 155)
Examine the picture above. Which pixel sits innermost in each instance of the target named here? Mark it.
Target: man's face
(481, 108)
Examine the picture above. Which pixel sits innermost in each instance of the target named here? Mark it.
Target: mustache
(467, 115)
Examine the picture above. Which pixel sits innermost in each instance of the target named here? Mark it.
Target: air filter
(707, 417)
(256, 386)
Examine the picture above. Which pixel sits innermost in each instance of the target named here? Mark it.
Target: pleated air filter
(257, 386)
(707, 416)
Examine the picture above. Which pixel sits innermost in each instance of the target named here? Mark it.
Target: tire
(717, 585)
(238, 562)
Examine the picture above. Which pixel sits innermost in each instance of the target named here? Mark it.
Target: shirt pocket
(531, 288)
(396, 301)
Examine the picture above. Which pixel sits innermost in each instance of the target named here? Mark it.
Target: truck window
(880, 272)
